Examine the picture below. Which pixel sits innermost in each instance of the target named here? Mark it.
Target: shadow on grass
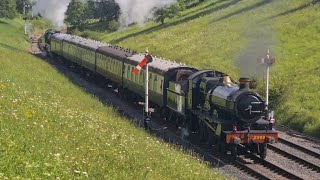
(159, 27)
(245, 9)
(2, 22)
(100, 26)
(295, 9)
(6, 46)
(205, 7)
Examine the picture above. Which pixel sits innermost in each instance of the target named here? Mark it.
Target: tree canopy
(76, 14)
(104, 10)
(8, 9)
(20, 4)
(169, 12)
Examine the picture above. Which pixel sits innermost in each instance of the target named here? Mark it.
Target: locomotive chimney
(244, 83)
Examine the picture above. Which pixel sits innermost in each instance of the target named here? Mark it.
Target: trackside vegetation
(52, 129)
(231, 35)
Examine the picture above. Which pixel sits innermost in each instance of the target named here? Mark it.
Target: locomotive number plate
(258, 137)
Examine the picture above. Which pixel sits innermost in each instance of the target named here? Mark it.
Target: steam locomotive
(207, 102)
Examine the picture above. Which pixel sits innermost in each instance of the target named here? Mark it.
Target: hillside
(52, 129)
(230, 35)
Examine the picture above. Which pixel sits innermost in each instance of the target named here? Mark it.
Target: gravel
(292, 166)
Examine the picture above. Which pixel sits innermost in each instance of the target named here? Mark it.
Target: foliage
(113, 25)
(40, 25)
(8, 9)
(104, 10)
(168, 12)
(77, 14)
(20, 5)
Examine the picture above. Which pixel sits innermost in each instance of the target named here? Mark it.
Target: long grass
(231, 35)
(52, 129)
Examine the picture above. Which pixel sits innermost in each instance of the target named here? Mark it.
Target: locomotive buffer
(144, 63)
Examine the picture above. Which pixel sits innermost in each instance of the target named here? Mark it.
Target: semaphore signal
(144, 63)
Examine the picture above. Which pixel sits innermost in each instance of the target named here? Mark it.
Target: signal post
(145, 62)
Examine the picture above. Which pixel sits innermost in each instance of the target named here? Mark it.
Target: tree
(8, 9)
(169, 12)
(20, 4)
(77, 14)
(104, 10)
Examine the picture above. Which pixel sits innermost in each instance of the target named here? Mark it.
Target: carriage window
(141, 79)
(155, 82)
(125, 71)
(161, 84)
(150, 81)
(130, 74)
(135, 77)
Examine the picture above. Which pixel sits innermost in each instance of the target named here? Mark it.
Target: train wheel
(222, 146)
(203, 132)
(263, 151)
(234, 151)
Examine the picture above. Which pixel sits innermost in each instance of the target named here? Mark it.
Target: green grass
(52, 129)
(230, 35)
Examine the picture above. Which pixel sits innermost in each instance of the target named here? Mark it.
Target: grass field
(52, 129)
(230, 35)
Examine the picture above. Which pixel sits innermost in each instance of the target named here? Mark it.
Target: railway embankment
(51, 128)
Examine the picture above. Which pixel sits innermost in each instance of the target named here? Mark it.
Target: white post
(267, 87)
(24, 8)
(31, 11)
(25, 20)
(147, 90)
(147, 117)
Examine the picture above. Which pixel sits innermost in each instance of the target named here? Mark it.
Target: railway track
(264, 169)
(295, 158)
(300, 148)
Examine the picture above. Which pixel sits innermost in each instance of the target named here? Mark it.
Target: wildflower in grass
(85, 174)
(57, 155)
(28, 114)
(47, 174)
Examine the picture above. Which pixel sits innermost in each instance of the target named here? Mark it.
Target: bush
(113, 25)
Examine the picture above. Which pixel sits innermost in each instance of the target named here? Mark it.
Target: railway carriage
(88, 54)
(56, 43)
(110, 62)
(162, 76)
(208, 102)
(72, 50)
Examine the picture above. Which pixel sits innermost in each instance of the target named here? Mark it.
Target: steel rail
(295, 158)
(275, 168)
(301, 148)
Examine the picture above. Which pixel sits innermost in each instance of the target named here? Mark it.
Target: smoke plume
(259, 38)
(52, 9)
(139, 11)
(132, 11)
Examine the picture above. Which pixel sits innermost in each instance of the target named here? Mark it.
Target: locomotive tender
(208, 102)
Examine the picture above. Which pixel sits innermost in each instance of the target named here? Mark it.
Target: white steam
(132, 11)
(52, 9)
(139, 11)
(259, 38)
